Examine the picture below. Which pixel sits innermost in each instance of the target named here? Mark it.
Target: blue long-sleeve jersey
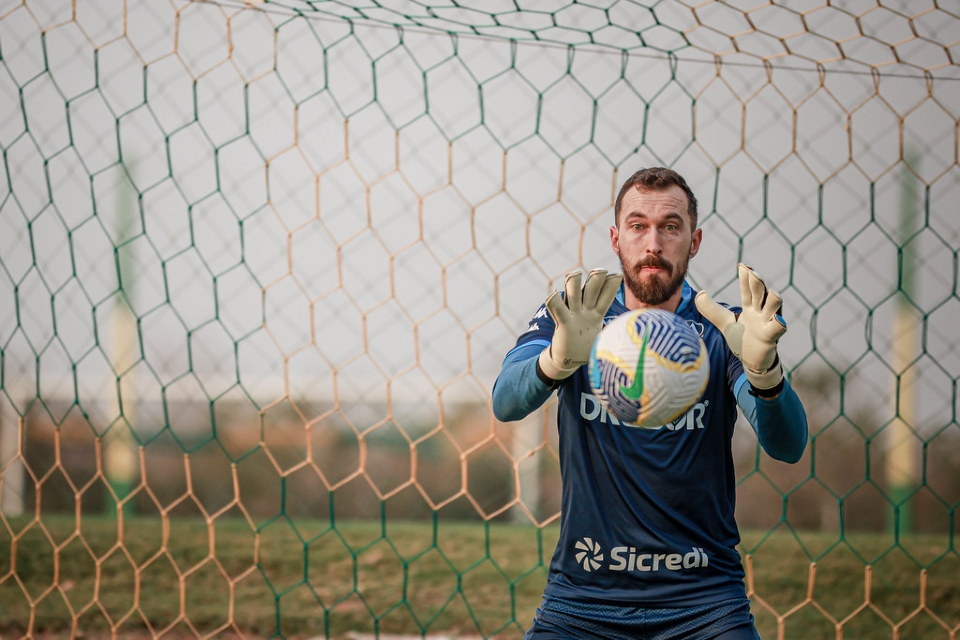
(647, 516)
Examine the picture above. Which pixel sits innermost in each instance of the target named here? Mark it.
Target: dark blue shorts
(558, 618)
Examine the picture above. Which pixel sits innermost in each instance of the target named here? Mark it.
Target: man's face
(654, 241)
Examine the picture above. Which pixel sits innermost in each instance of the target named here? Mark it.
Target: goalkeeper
(647, 545)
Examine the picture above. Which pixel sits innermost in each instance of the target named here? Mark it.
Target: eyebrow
(673, 215)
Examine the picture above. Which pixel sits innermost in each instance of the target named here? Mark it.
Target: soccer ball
(648, 367)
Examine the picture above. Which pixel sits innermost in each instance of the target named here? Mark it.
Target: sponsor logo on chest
(590, 557)
(592, 409)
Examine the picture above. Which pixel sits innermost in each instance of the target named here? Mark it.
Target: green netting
(259, 263)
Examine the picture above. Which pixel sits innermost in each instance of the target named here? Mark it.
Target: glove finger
(593, 287)
(771, 316)
(772, 306)
(572, 291)
(746, 293)
(752, 281)
(557, 309)
(718, 315)
(611, 286)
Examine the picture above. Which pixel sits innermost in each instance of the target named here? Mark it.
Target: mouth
(653, 269)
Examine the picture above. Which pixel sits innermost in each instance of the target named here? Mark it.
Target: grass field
(62, 577)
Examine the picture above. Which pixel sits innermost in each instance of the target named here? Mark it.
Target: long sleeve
(518, 391)
(780, 423)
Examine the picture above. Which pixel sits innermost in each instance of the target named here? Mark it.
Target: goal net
(260, 262)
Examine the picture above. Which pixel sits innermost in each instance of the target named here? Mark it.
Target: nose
(653, 243)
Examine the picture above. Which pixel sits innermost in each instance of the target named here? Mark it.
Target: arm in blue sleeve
(780, 423)
(518, 390)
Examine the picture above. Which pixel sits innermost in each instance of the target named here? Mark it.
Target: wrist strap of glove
(771, 380)
(545, 379)
(772, 392)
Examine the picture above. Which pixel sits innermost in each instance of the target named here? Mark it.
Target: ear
(695, 242)
(615, 240)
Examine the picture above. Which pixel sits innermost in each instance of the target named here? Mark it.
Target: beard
(654, 289)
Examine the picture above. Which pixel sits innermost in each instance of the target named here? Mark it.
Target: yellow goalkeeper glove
(579, 318)
(751, 334)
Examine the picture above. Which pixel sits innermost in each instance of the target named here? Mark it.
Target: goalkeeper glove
(579, 318)
(751, 334)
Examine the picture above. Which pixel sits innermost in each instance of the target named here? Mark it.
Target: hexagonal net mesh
(260, 262)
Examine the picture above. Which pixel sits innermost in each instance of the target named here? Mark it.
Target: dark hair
(657, 179)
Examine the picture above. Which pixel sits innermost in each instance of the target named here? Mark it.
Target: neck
(671, 304)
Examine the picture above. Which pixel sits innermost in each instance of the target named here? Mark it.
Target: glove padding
(579, 318)
(751, 334)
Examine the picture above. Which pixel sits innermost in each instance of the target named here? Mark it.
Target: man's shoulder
(688, 307)
(540, 325)
(617, 308)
